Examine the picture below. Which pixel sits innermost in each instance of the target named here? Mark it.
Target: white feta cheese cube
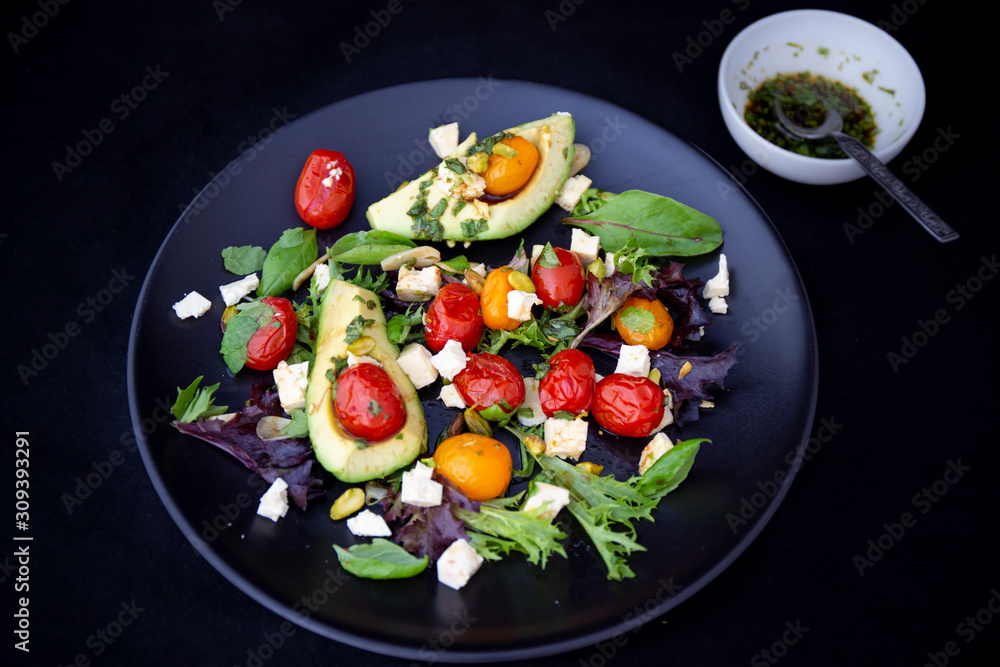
(420, 491)
(572, 190)
(292, 381)
(553, 498)
(233, 292)
(458, 563)
(657, 447)
(274, 502)
(192, 305)
(415, 360)
(421, 470)
(450, 360)
(355, 359)
(479, 268)
(368, 524)
(565, 438)
(718, 305)
(533, 402)
(321, 276)
(444, 139)
(718, 285)
(418, 284)
(633, 360)
(586, 246)
(519, 304)
(452, 398)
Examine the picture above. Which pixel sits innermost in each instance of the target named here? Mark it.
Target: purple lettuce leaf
(603, 297)
(688, 391)
(680, 295)
(292, 459)
(429, 530)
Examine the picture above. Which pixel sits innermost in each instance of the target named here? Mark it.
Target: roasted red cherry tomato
(325, 191)
(368, 403)
(490, 380)
(559, 280)
(569, 384)
(628, 405)
(454, 315)
(274, 341)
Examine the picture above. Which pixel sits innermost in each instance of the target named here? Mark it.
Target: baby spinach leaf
(291, 254)
(368, 247)
(669, 470)
(660, 225)
(243, 260)
(381, 559)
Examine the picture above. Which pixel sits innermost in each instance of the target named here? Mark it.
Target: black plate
(511, 609)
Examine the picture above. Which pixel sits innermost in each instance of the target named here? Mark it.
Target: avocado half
(552, 136)
(336, 449)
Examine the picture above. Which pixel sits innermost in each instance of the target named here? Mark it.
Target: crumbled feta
(444, 139)
(419, 489)
(321, 276)
(451, 397)
(192, 305)
(418, 284)
(572, 190)
(533, 402)
(657, 447)
(565, 438)
(718, 285)
(479, 268)
(519, 304)
(368, 524)
(718, 305)
(274, 502)
(233, 292)
(586, 246)
(536, 252)
(633, 360)
(609, 264)
(415, 360)
(450, 360)
(468, 185)
(292, 381)
(355, 359)
(458, 563)
(553, 498)
(668, 411)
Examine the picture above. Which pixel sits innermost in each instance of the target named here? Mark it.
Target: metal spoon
(831, 127)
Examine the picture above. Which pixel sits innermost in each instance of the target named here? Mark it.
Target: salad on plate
(345, 344)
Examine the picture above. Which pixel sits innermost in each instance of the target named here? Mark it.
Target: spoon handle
(913, 204)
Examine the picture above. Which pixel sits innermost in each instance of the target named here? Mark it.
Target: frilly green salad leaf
(660, 225)
(381, 559)
(501, 531)
(193, 403)
(291, 254)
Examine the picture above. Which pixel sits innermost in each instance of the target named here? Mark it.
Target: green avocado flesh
(336, 449)
(552, 136)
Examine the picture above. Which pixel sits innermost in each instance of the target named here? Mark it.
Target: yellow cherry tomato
(479, 466)
(505, 175)
(494, 300)
(659, 331)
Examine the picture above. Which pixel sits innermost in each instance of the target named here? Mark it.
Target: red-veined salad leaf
(603, 297)
(688, 391)
(681, 295)
(428, 531)
(290, 458)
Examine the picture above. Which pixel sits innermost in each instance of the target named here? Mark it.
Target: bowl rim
(885, 153)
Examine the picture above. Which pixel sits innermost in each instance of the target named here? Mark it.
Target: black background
(229, 66)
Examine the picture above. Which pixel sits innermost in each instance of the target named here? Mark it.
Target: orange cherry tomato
(494, 300)
(659, 331)
(506, 175)
(480, 467)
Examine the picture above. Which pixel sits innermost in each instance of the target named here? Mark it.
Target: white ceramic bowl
(795, 41)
